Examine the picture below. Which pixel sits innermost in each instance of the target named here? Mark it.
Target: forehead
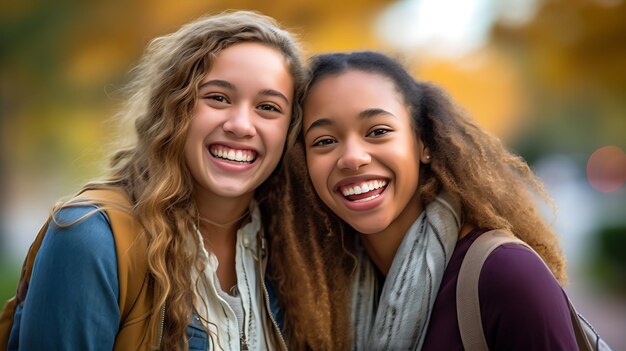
(247, 51)
(350, 93)
(251, 61)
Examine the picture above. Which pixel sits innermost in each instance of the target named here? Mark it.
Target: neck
(221, 215)
(220, 218)
(382, 246)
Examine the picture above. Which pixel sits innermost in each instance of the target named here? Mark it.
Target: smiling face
(362, 153)
(240, 122)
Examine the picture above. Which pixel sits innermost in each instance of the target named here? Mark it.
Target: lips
(242, 156)
(363, 191)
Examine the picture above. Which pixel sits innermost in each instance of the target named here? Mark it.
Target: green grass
(9, 275)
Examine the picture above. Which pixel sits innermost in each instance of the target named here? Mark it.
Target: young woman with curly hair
(168, 251)
(402, 182)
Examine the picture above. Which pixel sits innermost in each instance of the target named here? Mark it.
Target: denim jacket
(73, 297)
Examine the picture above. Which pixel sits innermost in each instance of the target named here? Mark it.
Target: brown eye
(324, 142)
(269, 107)
(378, 132)
(217, 97)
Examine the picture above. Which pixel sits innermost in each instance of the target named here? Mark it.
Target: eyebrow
(365, 114)
(219, 83)
(274, 93)
(230, 86)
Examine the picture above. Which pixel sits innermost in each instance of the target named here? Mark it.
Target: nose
(354, 156)
(240, 123)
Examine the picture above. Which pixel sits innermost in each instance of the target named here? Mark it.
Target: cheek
(409, 164)
(200, 125)
(284, 127)
(274, 131)
(192, 160)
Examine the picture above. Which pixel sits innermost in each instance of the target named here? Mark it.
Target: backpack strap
(130, 247)
(140, 328)
(467, 303)
(467, 299)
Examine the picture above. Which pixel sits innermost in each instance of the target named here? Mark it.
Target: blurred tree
(609, 261)
(572, 54)
(486, 83)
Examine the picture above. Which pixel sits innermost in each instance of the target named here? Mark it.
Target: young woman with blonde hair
(402, 182)
(168, 251)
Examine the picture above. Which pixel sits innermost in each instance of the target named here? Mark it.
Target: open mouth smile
(363, 191)
(239, 156)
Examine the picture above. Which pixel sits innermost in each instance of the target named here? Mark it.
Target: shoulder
(522, 304)
(81, 221)
(81, 232)
(512, 267)
(515, 263)
(514, 274)
(74, 285)
(116, 206)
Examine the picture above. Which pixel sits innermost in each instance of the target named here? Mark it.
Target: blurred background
(547, 77)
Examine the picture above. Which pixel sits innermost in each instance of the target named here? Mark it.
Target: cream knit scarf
(398, 319)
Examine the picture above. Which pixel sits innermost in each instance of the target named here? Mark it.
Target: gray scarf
(398, 320)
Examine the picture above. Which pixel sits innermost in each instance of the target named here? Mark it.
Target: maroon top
(522, 305)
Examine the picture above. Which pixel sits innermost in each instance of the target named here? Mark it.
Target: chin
(368, 227)
(231, 192)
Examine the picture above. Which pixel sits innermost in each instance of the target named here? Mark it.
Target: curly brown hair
(152, 170)
(497, 189)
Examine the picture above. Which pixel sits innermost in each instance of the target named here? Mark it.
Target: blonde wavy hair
(162, 95)
(497, 189)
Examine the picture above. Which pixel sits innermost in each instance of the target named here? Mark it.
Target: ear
(424, 153)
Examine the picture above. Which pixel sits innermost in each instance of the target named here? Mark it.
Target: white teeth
(368, 198)
(233, 155)
(363, 188)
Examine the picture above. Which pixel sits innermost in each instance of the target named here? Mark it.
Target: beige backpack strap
(140, 328)
(467, 303)
(584, 339)
(139, 325)
(130, 247)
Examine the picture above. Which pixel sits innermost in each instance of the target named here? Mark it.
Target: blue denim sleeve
(275, 310)
(72, 300)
